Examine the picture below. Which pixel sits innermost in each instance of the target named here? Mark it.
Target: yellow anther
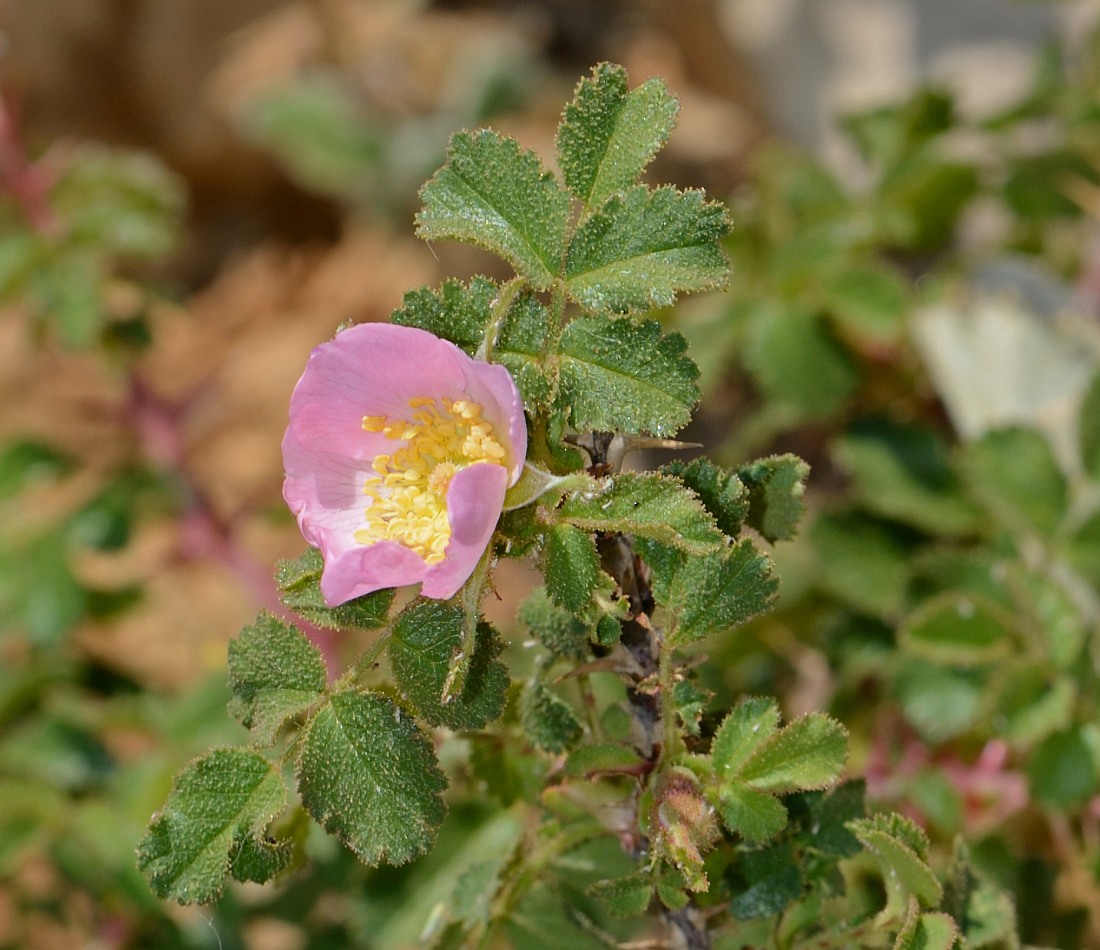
(408, 496)
(374, 423)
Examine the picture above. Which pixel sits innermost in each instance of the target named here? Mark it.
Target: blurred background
(193, 195)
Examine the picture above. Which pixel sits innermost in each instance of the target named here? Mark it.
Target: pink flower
(398, 454)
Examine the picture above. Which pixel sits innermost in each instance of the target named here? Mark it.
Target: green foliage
(275, 673)
(426, 644)
(643, 248)
(754, 760)
(572, 567)
(492, 195)
(609, 133)
(625, 376)
(299, 583)
(369, 776)
(775, 487)
(548, 720)
(215, 816)
(719, 592)
(648, 506)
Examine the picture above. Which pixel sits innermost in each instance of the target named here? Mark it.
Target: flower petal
(324, 490)
(491, 386)
(367, 568)
(475, 498)
(370, 369)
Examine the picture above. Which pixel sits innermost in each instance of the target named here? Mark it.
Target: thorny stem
(655, 725)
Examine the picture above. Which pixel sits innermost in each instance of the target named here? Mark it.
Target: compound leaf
(776, 485)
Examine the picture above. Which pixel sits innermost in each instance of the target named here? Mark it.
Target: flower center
(408, 493)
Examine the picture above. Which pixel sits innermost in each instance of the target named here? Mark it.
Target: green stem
(455, 682)
(501, 305)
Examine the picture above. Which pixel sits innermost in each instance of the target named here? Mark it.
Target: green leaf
(1013, 474)
(1062, 770)
(259, 859)
(572, 566)
(299, 587)
(557, 629)
(862, 562)
(547, 719)
(796, 361)
(869, 301)
(904, 473)
(647, 505)
(775, 488)
(957, 630)
(519, 349)
(746, 727)
(755, 815)
(770, 877)
(494, 196)
(1088, 428)
(722, 493)
(426, 638)
(369, 776)
(624, 376)
(462, 314)
(624, 896)
(274, 674)
(927, 932)
(901, 849)
(608, 135)
(457, 312)
(644, 247)
(808, 753)
(941, 702)
(720, 591)
(215, 801)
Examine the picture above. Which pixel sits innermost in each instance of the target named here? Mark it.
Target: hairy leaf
(426, 638)
(548, 720)
(215, 801)
(299, 587)
(715, 593)
(650, 506)
(754, 815)
(625, 896)
(369, 776)
(722, 493)
(562, 633)
(746, 727)
(901, 849)
(808, 753)
(644, 247)
(620, 375)
(609, 134)
(274, 673)
(775, 485)
(572, 566)
(491, 194)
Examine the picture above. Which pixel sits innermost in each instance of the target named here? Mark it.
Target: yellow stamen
(409, 493)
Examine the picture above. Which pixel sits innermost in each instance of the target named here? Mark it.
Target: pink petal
(491, 386)
(324, 490)
(372, 369)
(367, 568)
(474, 501)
